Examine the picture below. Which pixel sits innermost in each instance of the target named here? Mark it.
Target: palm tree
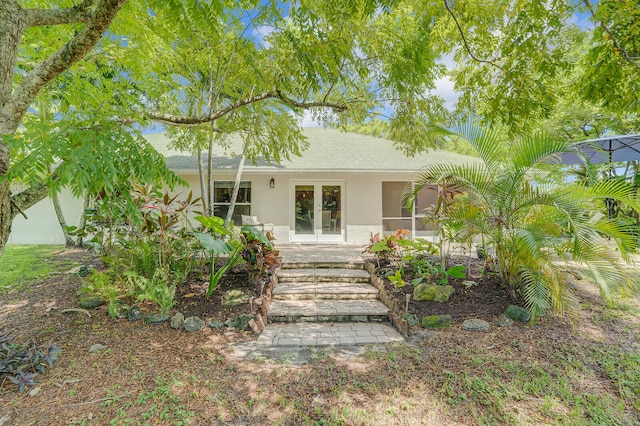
(536, 231)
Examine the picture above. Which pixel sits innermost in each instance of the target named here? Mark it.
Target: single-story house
(344, 188)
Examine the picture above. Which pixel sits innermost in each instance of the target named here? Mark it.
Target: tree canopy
(104, 69)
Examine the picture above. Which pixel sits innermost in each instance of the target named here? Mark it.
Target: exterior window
(222, 191)
(396, 216)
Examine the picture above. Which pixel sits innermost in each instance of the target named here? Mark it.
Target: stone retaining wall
(395, 311)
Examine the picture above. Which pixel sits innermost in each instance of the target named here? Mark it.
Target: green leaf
(214, 246)
(379, 246)
(253, 233)
(457, 271)
(216, 224)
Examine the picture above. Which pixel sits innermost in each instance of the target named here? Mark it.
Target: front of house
(344, 188)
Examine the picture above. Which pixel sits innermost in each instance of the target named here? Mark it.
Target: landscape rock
(517, 313)
(234, 297)
(437, 293)
(411, 319)
(214, 323)
(436, 321)
(239, 323)
(475, 325)
(85, 270)
(177, 321)
(122, 310)
(96, 348)
(35, 391)
(192, 324)
(90, 302)
(504, 321)
(156, 319)
(135, 313)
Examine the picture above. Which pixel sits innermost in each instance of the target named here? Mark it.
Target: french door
(317, 214)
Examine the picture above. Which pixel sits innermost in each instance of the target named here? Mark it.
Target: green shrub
(517, 313)
(436, 321)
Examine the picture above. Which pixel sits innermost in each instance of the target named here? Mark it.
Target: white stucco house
(344, 188)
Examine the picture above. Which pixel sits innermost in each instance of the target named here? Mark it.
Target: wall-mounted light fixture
(272, 183)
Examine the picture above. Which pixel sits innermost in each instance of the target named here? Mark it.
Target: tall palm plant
(536, 230)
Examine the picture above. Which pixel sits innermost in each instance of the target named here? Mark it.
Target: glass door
(331, 213)
(304, 213)
(317, 212)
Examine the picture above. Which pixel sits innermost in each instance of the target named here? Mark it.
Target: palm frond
(487, 143)
(534, 149)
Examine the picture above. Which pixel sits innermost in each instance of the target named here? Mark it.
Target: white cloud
(260, 32)
(308, 121)
(445, 89)
(447, 61)
(444, 85)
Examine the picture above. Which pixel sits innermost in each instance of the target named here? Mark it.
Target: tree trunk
(68, 239)
(5, 214)
(210, 187)
(12, 26)
(236, 188)
(83, 217)
(203, 187)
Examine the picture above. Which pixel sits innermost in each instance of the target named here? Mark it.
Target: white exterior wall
(362, 200)
(42, 225)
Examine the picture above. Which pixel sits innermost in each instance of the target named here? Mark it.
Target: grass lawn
(580, 372)
(21, 265)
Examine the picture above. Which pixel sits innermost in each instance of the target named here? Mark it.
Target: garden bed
(191, 297)
(485, 300)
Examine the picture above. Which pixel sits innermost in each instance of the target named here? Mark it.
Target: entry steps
(325, 303)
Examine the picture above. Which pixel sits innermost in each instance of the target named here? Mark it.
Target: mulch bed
(486, 300)
(191, 297)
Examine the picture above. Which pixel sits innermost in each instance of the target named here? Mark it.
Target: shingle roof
(329, 151)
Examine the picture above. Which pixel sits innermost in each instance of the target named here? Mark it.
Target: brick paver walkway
(328, 334)
(325, 298)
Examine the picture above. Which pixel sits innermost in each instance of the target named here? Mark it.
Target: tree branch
(183, 120)
(71, 15)
(27, 198)
(74, 50)
(466, 44)
(604, 26)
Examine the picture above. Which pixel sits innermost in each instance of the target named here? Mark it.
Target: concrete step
(324, 291)
(324, 275)
(323, 264)
(327, 311)
(325, 334)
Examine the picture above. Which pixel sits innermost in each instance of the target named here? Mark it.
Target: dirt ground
(156, 375)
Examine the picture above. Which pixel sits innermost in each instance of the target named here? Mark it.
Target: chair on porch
(253, 221)
(326, 220)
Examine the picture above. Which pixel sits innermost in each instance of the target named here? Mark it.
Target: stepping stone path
(326, 301)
